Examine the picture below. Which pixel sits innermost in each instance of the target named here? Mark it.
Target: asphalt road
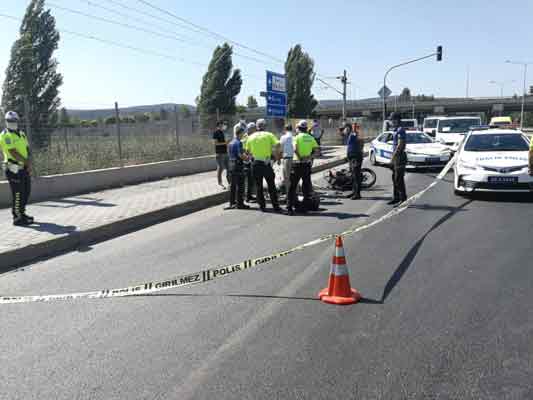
(446, 311)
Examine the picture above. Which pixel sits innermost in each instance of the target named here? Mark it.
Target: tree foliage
(32, 70)
(299, 69)
(252, 102)
(405, 95)
(220, 85)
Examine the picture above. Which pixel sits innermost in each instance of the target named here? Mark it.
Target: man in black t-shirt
(221, 150)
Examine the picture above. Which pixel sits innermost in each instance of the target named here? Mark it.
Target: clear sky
(365, 37)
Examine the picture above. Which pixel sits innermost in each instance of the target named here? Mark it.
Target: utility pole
(344, 80)
(117, 121)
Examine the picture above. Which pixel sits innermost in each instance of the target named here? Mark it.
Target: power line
(140, 29)
(209, 32)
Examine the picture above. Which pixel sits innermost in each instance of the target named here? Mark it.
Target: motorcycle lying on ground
(341, 180)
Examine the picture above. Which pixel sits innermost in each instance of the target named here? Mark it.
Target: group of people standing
(249, 157)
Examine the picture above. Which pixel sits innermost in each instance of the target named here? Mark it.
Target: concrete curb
(15, 258)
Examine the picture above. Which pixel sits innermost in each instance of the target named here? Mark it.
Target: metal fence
(97, 144)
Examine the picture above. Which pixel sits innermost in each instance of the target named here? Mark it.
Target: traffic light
(439, 53)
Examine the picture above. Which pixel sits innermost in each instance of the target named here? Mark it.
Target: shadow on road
(79, 202)
(52, 228)
(411, 255)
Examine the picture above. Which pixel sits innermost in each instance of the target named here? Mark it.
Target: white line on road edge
(219, 272)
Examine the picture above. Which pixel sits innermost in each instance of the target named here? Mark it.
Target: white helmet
(260, 123)
(12, 116)
(251, 125)
(302, 124)
(239, 128)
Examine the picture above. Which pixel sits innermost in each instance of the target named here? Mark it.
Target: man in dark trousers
(262, 146)
(305, 146)
(399, 160)
(17, 164)
(221, 150)
(236, 167)
(354, 153)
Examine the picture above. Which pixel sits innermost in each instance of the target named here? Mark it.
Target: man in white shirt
(287, 148)
(317, 132)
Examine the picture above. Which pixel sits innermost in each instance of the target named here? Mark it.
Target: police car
(493, 159)
(422, 150)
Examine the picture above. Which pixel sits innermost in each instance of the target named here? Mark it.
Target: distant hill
(103, 113)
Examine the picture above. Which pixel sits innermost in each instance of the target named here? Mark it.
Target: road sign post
(276, 95)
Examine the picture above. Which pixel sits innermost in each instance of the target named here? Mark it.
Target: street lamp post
(438, 53)
(501, 84)
(525, 65)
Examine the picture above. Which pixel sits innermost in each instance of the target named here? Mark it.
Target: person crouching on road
(17, 164)
(287, 149)
(236, 166)
(354, 153)
(221, 150)
(262, 145)
(248, 170)
(305, 147)
(399, 160)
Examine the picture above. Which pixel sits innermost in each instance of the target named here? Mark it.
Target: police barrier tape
(219, 272)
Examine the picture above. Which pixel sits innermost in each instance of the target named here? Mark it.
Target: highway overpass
(439, 106)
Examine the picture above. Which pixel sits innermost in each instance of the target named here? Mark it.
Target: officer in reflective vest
(305, 146)
(262, 146)
(17, 165)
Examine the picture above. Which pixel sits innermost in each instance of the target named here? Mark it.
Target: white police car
(493, 159)
(422, 150)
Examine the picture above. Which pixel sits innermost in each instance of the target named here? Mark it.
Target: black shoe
(290, 212)
(29, 218)
(263, 208)
(21, 222)
(231, 207)
(393, 202)
(356, 197)
(278, 209)
(243, 207)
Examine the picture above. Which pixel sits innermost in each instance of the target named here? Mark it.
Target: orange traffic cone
(339, 290)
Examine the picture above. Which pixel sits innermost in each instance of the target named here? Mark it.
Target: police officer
(354, 153)
(399, 160)
(262, 146)
(17, 164)
(248, 173)
(236, 167)
(305, 146)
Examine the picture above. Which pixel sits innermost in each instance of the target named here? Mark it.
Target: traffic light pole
(438, 53)
(344, 80)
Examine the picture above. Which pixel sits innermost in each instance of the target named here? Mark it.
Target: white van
(430, 125)
(452, 130)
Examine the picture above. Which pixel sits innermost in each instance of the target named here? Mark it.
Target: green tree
(405, 95)
(184, 110)
(32, 70)
(299, 69)
(252, 102)
(142, 118)
(220, 86)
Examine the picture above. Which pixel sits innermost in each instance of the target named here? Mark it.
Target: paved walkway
(65, 217)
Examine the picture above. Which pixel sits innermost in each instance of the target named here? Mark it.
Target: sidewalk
(67, 223)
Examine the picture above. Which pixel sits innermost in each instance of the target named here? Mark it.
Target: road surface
(446, 312)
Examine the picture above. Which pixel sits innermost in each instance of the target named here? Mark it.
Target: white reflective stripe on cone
(339, 251)
(339, 270)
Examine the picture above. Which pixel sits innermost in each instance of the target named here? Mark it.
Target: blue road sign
(276, 111)
(276, 82)
(276, 99)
